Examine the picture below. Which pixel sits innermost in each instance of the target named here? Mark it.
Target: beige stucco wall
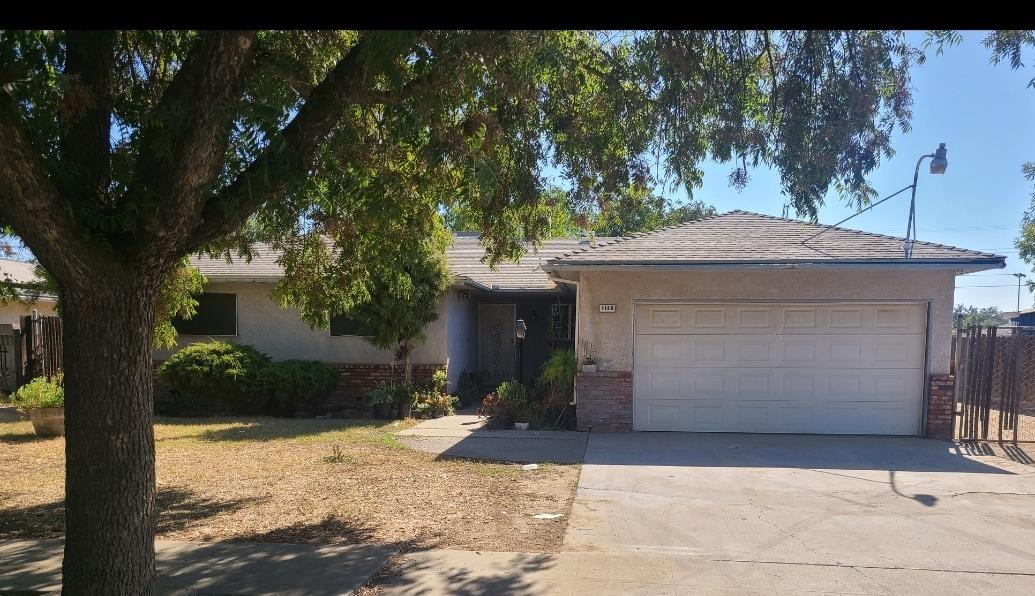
(12, 312)
(279, 332)
(611, 333)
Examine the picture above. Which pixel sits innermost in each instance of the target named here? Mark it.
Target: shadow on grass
(268, 429)
(176, 507)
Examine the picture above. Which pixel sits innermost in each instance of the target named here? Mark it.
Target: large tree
(125, 151)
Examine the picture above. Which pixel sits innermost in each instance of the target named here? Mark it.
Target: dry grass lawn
(315, 481)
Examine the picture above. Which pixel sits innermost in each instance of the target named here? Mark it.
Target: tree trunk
(109, 436)
(407, 361)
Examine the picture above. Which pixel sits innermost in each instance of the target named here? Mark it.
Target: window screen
(346, 325)
(217, 315)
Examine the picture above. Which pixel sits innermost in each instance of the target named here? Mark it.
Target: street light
(1019, 277)
(938, 165)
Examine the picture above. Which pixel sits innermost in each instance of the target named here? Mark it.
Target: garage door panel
(835, 351)
(789, 319)
(810, 368)
(775, 384)
(851, 417)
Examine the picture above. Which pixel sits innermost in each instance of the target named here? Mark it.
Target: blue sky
(986, 116)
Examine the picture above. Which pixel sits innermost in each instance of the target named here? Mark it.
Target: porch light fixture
(520, 328)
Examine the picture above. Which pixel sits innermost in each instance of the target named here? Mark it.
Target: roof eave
(960, 265)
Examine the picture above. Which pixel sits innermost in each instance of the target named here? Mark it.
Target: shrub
(217, 376)
(287, 387)
(557, 378)
(40, 392)
(432, 403)
(511, 403)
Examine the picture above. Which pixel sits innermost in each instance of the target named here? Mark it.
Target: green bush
(294, 385)
(40, 392)
(218, 375)
(224, 378)
(512, 402)
(432, 402)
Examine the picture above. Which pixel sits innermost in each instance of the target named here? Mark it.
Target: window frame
(330, 329)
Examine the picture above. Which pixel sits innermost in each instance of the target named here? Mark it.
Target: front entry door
(496, 342)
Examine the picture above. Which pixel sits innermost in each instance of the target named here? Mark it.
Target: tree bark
(109, 436)
(407, 361)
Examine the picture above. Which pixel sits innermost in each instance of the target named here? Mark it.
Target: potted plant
(589, 362)
(404, 398)
(382, 400)
(44, 401)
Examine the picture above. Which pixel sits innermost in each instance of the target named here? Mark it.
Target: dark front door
(496, 342)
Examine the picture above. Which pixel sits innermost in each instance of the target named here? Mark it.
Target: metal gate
(995, 384)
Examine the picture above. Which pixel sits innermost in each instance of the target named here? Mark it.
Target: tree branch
(288, 158)
(34, 208)
(86, 117)
(184, 145)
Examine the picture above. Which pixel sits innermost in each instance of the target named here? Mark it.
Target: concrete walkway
(464, 435)
(212, 568)
(465, 572)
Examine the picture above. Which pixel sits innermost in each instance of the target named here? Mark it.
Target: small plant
(469, 388)
(40, 392)
(337, 455)
(511, 403)
(590, 357)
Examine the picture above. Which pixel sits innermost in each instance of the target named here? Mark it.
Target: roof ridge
(864, 232)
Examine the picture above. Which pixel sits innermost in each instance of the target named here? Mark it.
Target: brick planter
(940, 398)
(357, 379)
(604, 401)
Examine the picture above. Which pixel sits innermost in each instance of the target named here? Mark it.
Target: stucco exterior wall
(461, 316)
(279, 332)
(612, 335)
(12, 312)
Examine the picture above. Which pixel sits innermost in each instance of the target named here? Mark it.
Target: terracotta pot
(48, 422)
(589, 368)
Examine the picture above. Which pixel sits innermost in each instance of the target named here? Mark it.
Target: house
(1021, 318)
(751, 323)
(19, 274)
(476, 331)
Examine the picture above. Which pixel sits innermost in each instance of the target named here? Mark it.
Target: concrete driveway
(858, 502)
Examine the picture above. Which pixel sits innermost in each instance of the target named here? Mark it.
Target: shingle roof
(17, 272)
(464, 258)
(741, 237)
(526, 275)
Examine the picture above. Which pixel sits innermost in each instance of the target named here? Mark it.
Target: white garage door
(779, 368)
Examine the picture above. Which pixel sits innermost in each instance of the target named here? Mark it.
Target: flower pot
(48, 422)
(520, 426)
(382, 411)
(404, 409)
(589, 368)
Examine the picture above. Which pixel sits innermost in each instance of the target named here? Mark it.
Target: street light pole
(1019, 276)
(938, 165)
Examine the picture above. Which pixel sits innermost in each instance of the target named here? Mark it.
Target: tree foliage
(967, 316)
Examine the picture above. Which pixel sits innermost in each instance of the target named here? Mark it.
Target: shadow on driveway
(732, 450)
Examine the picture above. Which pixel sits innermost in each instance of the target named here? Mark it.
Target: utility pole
(1019, 276)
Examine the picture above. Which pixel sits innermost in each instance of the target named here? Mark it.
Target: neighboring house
(19, 273)
(1021, 318)
(742, 323)
(475, 331)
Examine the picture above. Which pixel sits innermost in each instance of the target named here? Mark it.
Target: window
(562, 317)
(217, 315)
(346, 325)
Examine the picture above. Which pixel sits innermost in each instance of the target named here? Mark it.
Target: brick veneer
(940, 400)
(357, 379)
(604, 401)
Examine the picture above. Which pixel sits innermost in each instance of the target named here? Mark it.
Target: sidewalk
(464, 435)
(212, 568)
(464, 572)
